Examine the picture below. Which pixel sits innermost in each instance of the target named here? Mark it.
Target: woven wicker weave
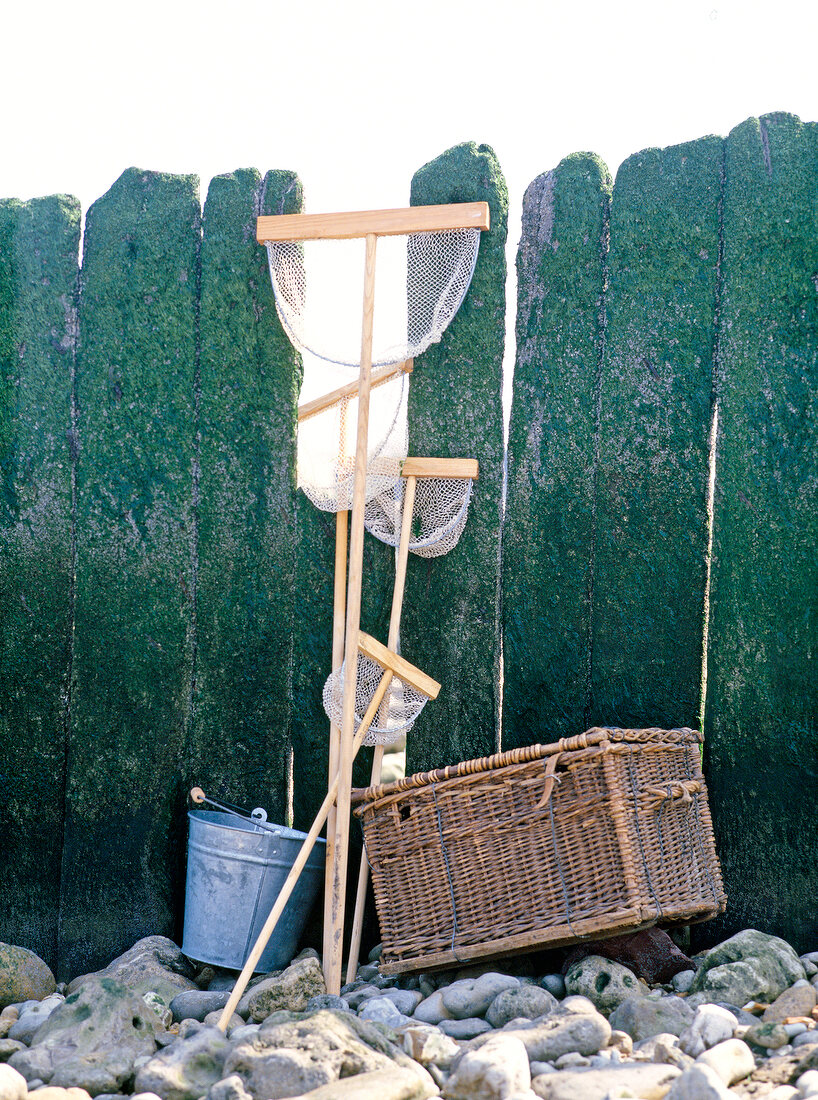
(592, 836)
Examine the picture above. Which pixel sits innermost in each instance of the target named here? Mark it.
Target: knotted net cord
(438, 518)
(326, 446)
(401, 706)
(422, 280)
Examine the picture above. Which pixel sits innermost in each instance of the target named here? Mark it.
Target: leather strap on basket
(550, 779)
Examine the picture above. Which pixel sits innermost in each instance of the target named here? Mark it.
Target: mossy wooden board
(132, 664)
(249, 376)
(655, 410)
(548, 535)
(39, 252)
(450, 626)
(761, 747)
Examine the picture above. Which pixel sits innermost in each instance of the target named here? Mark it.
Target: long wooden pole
(307, 846)
(338, 615)
(333, 964)
(377, 757)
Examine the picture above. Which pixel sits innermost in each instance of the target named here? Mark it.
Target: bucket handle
(257, 817)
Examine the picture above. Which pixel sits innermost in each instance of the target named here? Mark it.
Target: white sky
(356, 95)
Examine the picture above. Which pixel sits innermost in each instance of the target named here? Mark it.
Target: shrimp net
(438, 517)
(400, 708)
(422, 279)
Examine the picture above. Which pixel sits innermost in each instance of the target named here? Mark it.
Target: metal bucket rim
(205, 817)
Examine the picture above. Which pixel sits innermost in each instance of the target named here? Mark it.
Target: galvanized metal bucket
(235, 870)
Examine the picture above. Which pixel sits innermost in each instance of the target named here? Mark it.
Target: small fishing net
(438, 517)
(326, 447)
(398, 712)
(422, 279)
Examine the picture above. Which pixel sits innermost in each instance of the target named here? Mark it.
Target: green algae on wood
(653, 455)
(762, 690)
(249, 375)
(548, 533)
(450, 625)
(132, 660)
(39, 252)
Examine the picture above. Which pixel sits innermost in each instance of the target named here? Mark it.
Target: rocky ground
(738, 1021)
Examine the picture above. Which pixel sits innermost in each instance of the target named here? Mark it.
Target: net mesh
(326, 446)
(438, 517)
(421, 281)
(398, 712)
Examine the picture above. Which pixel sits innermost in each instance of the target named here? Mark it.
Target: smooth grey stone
(195, 1004)
(375, 954)
(432, 1010)
(806, 1038)
(598, 1084)
(356, 997)
(470, 997)
(732, 1060)
(642, 1017)
(699, 1083)
(545, 1040)
(464, 1029)
(221, 982)
(381, 1010)
(711, 1024)
(555, 984)
(245, 1034)
(404, 1000)
(32, 1018)
(327, 1000)
(368, 971)
(526, 1002)
(682, 981)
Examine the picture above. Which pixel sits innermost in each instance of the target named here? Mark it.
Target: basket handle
(678, 788)
(550, 779)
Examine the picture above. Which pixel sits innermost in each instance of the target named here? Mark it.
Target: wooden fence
(165, 594)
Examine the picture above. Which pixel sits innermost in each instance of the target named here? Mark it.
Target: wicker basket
(596, 835)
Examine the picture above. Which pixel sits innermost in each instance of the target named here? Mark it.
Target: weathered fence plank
(39, 252)
(548, 535)
(451, 618)
(762, 689)
(239, 737)
(655, 410)
(132, 640)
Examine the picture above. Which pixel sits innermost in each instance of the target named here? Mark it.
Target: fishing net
(398, 712)
(326, 446)
(439, 515)
(422, 279)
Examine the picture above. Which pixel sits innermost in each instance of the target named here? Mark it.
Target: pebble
(555, 984)
(381, 1010)
(464, 1029)
(682, 981)
(731, 1059)
(473, 996)
(483, 1034)
(711, 1025)
(807, 1083)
